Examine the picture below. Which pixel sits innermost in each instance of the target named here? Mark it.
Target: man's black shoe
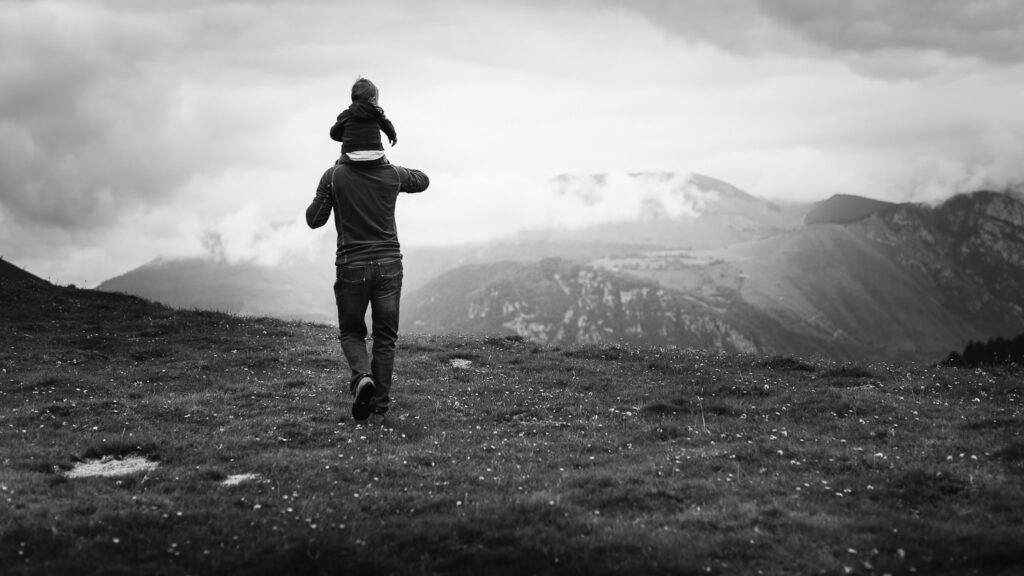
(363, 392)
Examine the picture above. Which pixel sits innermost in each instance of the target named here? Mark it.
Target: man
(369, 270)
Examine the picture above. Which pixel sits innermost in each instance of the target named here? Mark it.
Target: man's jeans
(377, 283)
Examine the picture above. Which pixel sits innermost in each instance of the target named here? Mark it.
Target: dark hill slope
(11, 273)
(971, 249)
(832, 285)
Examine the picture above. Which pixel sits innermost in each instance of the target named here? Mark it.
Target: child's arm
(389, 129)
(338, 130)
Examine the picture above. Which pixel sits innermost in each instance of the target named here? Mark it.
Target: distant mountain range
(705, 265)
(295, 290)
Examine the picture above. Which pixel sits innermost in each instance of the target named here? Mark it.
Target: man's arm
(319, 209)
(411, 180)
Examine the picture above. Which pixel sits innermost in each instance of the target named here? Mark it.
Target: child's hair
(364, 90)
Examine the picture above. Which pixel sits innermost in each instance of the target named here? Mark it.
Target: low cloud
(984, 29)
(458, 209)
(250, 236)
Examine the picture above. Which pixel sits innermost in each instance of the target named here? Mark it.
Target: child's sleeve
(338, 130)
(389, 130)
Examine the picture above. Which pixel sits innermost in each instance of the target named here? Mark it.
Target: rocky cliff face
(972, 247)
(594, 306)
(560, 302)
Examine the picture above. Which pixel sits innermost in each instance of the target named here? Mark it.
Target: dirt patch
(236, 479)
(111, 466)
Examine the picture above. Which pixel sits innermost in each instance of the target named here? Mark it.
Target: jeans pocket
(390, 270)
(352, 274)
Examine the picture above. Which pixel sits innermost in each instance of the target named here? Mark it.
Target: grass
(530, 460)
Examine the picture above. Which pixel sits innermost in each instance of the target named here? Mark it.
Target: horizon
(254, 257)
(129, 133)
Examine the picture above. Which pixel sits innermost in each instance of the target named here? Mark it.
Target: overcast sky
(131, 130)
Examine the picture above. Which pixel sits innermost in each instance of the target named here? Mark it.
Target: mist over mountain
(670, 210)
(282, 291)
(693, 262)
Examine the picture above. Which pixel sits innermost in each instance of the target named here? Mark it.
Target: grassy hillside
(12, 273)
(516, 459)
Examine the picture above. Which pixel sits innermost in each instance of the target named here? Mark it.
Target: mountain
(297, 289)
(902, 281)
(843, 209)
(677, 211)
(556, 301)
(971, 249)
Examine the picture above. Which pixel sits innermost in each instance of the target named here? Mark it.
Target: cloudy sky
(131, 130)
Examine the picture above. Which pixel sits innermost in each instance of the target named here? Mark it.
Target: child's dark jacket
(359, 128)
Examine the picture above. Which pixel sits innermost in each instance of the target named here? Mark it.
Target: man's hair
(364, 90)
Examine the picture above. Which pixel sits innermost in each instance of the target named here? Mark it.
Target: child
(358, 128)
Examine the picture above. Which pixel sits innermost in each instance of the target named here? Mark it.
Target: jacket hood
(364, 91)
(365, 110)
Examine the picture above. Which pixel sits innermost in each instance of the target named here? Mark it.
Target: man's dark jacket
(363, 200)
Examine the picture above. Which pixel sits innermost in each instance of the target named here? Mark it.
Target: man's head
(364, 91)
